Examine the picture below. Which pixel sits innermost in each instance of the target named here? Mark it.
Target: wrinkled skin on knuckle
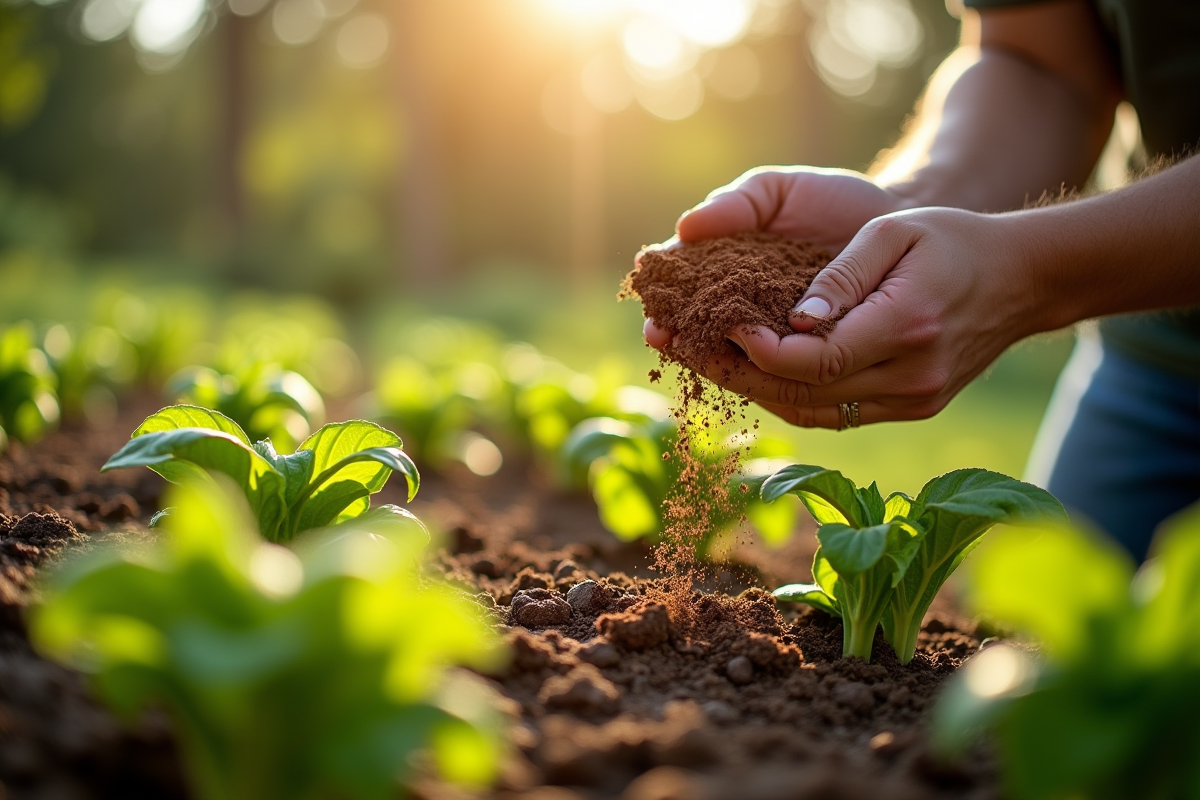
(921, 330)
(841, 277)
(834, 363)
(792, 393)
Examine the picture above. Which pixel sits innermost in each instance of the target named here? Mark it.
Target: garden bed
(626, 691)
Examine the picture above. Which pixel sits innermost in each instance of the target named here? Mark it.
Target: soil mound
(702, 290)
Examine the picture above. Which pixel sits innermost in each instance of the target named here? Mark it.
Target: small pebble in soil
(589, 597)
(855, 696)
(719, 712)
(537, 608)
(740, 670)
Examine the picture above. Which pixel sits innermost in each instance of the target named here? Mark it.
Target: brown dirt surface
(615, 694)
(701, 291)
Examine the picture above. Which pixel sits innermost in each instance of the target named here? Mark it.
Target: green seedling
(288, 677)
(633, 469)
(267, 401)
(1106, 708)
(882, 561)
(328, 480)
(28, 404)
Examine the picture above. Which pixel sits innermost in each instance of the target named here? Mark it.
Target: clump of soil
(700, 291)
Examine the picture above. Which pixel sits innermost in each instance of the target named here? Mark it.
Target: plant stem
(858, 639)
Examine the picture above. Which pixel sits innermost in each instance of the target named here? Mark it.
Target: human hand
(823, 206)
(934, 296)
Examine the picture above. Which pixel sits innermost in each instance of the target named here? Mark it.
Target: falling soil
(700, 292)
(613, 695)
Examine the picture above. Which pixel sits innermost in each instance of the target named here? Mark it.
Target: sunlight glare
(886, 31)
(167, 26)
(672, 100)
(606, 84)
(711, 23)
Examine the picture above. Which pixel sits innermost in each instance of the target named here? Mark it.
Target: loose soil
(701, 291)
(612, 693)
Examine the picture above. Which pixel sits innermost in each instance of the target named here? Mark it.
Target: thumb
(857, 272)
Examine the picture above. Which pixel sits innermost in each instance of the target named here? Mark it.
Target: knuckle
(835, 361)
(922, 330)
(844, 276)
(930, 384)
(793, 393)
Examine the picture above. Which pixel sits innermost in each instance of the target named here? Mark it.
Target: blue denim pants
(1120, 443)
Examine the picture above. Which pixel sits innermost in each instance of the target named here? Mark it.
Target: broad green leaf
(186, 416)
(825, 575)
(828, 495)
(872, 503)
(852, 550)
(953, 511)
(898, 504)
(336, 441)
(296, 469)
(338, 498)
(809, 593)
(190, 453)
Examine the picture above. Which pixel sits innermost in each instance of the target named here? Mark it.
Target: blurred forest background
(496, 159)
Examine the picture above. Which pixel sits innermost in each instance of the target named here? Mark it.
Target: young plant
(1106, 709)
(328, 480)
(267, 401)
(633, 469)
(287, 677)
(884, 560)
(28, 404)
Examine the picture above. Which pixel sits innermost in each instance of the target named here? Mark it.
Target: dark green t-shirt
(1157, 43)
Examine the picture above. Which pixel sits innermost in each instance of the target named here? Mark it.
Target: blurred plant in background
(28, 404)
(1107, 707)
(298, 676)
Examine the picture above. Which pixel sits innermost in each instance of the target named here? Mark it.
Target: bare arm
(1023, 107)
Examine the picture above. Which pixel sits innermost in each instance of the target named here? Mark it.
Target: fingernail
(814, 307)
(736, 340)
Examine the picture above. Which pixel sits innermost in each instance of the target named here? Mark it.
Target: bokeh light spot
(103, 20)
(297, 22)
(363, 40)
(167, 27)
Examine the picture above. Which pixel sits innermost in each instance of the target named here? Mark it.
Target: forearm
(1134, 249)
(1022, 108)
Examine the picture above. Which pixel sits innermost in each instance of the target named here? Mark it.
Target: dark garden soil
(617, 688)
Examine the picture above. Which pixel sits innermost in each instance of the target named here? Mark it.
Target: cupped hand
(823, 206)
(934, 296)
